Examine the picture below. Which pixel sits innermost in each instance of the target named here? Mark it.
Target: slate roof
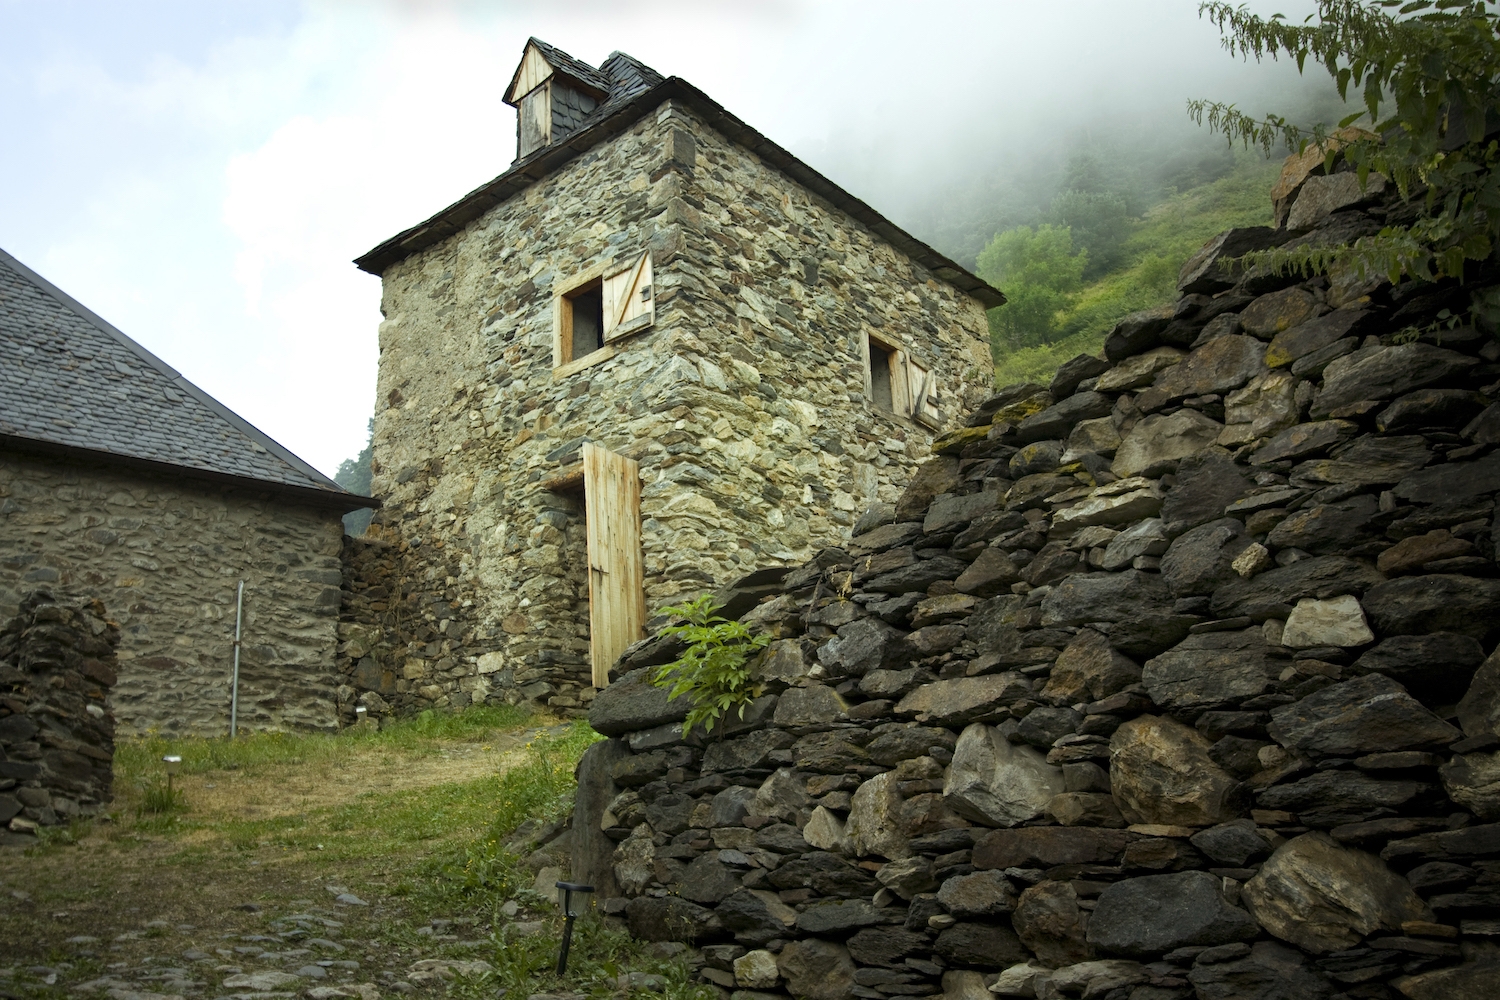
(72, 384)
(636, 90)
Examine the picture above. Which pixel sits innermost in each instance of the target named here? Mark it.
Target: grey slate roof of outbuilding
(635, 90)
(71, 383)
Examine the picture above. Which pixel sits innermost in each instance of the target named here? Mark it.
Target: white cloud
(208, 198)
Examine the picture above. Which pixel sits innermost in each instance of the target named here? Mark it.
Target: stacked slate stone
(57, 664)
(1174, 678)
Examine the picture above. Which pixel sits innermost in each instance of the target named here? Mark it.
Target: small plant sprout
(712, 672)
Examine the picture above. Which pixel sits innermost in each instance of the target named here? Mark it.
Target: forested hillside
(1069, 280)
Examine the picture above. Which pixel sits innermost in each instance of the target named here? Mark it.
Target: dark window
(881, 376)
(586, 318)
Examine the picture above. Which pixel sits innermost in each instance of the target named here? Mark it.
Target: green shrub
(713, 671)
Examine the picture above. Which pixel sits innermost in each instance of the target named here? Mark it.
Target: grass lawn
(240, 870)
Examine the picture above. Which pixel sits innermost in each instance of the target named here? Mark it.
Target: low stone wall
(57, 736)
(1175, 678)
(400, 648)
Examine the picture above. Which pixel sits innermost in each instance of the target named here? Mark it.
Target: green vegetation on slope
(1149, 258)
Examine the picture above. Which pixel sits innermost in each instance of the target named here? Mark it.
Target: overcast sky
(201, 173)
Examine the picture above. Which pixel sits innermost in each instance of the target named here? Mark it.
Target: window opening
(882, 376)
(585, 314)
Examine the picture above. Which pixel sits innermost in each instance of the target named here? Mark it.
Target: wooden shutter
(629, 300)
(617, 595)
(924, 395)
(901, 385)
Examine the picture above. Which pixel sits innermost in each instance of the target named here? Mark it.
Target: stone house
(122, 481)
(656, 354)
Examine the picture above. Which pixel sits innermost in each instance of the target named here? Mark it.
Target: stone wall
(166, 555)
(1177, 677)
(57, 737)
(744, 403)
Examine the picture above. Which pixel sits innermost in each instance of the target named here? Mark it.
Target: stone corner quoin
(1175, 677)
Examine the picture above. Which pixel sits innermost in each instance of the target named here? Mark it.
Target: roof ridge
(609, 120)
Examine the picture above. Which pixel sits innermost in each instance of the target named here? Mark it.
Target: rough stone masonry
(57, 664)
(1176, 677)
(744, 403)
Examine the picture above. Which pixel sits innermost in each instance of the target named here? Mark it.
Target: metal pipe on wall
(234, 686)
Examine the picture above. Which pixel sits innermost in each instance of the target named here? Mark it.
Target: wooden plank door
(617, 595)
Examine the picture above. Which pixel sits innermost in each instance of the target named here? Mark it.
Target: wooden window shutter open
(629, 300)
(924, 395)
(901, 387)
(617, 594)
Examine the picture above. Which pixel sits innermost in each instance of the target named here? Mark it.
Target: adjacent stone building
(656, 354)
(122, 481)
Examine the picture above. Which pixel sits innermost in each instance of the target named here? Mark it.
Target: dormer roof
(541, 61)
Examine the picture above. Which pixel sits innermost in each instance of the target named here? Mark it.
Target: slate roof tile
(72, 380)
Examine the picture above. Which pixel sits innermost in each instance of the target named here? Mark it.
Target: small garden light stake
(173, 762)
(568, 888)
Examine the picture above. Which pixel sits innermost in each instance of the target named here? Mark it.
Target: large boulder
(1206, 484)
(1321, 896)
(963, 699)
(1220, 365)
(983, 945)
(1414, 605)
(1473, 781)
(838, 919)
(1274, 592)
(1089, 669)
(996, 782)
(1153, 914)
(1271, 971)
(633, 703)
(1385, 373)
(1049, 921)
(1056, 421)
(670, 918)
(1479, 711)
(756, 916)
(1471, 981)
(1159, 442)
(980, 895)
(1369, 714)
(1200, 560)
(1161, 772)
(861, 646)
(1332, 798)
(874, 825)
(1368, 461)
(1105, 597)
(1209, 670)
(1049, 846)
(1436, 668)
(817, 970)
(1326, 528)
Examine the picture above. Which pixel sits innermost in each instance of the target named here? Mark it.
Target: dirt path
(246, 886)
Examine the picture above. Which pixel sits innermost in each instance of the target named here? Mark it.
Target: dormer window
(552, 93)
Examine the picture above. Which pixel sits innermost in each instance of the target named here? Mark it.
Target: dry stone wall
(744, 403)
(1176, 677)
(57, 664)
(166, 555)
